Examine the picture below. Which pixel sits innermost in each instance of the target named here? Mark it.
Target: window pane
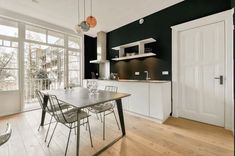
(7, 43)
(55, 38)
(74, 78)
(74, 68)
(8, 57)
(45, 63)
(35, 34)
(8, 28)
(8, 79)
(74, 42)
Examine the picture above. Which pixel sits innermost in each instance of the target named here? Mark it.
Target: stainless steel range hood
(101, 48)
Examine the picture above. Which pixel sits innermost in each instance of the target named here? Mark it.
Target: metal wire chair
(48, 109)
(68, 118)
(105, 108)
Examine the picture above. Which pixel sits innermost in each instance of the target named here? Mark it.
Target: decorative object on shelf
(91, 20)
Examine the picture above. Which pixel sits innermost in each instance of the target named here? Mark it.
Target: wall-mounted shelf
(140, 54)
(145, 41)
(134, 56)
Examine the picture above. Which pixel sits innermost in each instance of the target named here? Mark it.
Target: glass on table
(92, 86)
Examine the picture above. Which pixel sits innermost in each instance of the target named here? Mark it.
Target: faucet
(147, 75)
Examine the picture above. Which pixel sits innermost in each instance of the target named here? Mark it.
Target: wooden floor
(176, 137)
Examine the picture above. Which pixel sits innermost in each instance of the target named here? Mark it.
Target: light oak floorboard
(176, 137)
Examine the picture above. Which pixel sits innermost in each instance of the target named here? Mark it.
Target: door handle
(221, 79)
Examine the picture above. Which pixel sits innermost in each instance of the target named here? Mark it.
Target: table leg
(78, 133)
(45, 100)
(121, 117)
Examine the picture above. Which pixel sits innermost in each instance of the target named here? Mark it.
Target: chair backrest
(111, 88)
(39, 96)
(5, 136)
(56, 109)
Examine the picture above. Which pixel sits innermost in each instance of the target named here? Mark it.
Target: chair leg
(100, 118)
(39, 127)
(89, 128)
(103, 126)
(97, 116)
(68, 141)
(52, 134)
(116, 118)
(48, 129)
(75, 131)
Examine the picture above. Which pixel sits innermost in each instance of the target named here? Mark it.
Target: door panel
(201, 61)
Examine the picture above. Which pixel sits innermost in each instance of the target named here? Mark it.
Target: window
(35, 33)
(44, 58)
(74, 68)
(8, 28)
(74, 42)
(8, 66)
(55, 38)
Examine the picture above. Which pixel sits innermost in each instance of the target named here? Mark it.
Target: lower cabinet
(160, 100)
(151, 100)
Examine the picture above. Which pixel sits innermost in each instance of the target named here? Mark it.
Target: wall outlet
(165, 73)
(137, 73)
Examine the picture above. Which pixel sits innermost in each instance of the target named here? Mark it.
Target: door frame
(227, 18)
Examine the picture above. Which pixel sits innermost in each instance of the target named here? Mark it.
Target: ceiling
(110, 14)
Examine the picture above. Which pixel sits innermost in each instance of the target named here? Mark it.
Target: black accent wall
(158, 26)
(90, 54)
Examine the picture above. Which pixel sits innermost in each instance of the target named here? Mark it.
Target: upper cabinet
(141, 51)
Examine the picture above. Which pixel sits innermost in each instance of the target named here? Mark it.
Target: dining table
(81, 98)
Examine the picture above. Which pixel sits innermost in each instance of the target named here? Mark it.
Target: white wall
(9, 105)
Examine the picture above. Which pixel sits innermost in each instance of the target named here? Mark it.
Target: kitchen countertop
(127, 80)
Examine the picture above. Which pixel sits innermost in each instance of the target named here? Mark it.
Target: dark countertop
(127, 80)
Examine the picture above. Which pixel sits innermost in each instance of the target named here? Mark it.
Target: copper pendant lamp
(91, 20)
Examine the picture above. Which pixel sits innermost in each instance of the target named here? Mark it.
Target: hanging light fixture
(78, 29)
(91, 20)
(85, 27)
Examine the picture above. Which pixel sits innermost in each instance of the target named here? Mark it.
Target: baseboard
(145, 117)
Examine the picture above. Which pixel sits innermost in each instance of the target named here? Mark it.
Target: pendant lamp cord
(78, 12)
(91, 7)
(84, 9)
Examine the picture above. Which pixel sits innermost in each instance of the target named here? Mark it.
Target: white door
(201, 65)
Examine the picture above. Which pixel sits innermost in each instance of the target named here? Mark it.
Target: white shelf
(98, 61)
(145, 41)
(134, 56)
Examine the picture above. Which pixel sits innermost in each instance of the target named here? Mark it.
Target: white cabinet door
(155, 101)
(160, 100)
(139, 99)
(123, 88)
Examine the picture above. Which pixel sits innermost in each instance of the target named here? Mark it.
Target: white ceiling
(110, 14)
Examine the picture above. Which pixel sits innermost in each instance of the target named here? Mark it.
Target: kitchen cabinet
(151, 99)
(160, 100)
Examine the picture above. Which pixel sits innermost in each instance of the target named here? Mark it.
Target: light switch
(165, 73)
(137, 73)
